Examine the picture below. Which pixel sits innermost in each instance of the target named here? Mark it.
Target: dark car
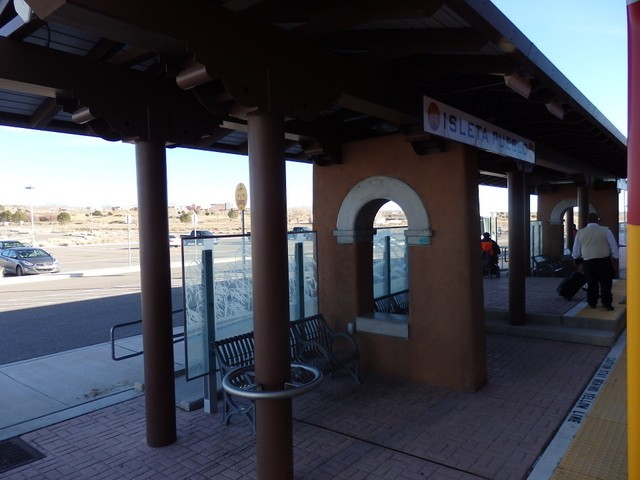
(28, 261)
(199, 234)
(301, 232)
(4, 244)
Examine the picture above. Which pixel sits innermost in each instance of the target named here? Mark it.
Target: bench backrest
(235, 351)
(397, 302)
(238, 351)
(313, 329)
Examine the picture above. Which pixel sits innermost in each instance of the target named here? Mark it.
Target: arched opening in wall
(565, 213)
(390, 262)
(383, 249)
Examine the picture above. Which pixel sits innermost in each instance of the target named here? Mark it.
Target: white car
(174, 241)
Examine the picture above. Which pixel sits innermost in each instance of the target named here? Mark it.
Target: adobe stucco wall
(446, 345)
(603, 199)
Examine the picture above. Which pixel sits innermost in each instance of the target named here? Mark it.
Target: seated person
(490, 254)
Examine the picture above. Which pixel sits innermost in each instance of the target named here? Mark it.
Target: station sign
(445, 121)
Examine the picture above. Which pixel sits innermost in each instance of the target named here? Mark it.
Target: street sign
(241, 196)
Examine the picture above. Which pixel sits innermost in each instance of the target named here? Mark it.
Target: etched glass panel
(390, 261)
(224, 300)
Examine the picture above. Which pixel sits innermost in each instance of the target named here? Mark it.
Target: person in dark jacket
(490, 254)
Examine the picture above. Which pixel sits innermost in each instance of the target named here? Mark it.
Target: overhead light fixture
(518, 84)
(82, 115)
(193, 76)
(555, 109)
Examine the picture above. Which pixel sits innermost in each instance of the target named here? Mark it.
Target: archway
(355, 225)
(562, 215)
(557, 214)
(359, 208)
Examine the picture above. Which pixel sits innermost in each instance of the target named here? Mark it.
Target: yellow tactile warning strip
(599, 449)
(619, 291)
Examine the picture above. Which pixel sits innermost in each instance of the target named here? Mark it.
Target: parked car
(28, 261)
(198, 234)
(4, 244)
(306, 233)
(174, 241)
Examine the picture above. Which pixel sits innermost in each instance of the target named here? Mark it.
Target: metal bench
(311, 342)
(545, 266)
(395, 303)
(232, 353)
(318, 345)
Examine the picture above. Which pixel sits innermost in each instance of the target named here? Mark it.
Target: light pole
(33, 230)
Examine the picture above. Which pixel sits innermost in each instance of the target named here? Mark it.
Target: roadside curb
(86, 273)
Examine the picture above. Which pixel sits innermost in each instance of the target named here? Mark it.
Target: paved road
(54, 313)
(96, 289)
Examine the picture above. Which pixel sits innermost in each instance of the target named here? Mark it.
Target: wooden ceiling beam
(323, 18)
(296, 89)
(45, 113)
(385, 45)
(122, 97)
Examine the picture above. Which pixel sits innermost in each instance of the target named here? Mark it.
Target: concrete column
(515, 183)
(270, 292)
(583, 205)
(155, 279)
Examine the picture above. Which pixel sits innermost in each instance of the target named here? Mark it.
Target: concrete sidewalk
(44, 391)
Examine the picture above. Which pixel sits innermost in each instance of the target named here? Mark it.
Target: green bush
(63, 217)
(185, 217)
(20, 216)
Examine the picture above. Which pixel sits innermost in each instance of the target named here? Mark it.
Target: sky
(585, 39)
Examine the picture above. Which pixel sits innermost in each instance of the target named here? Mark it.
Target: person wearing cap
(595, 245)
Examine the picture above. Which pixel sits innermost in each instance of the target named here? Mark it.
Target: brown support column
(515, 182)
(155, 279)
(270, 292)
(583, 205)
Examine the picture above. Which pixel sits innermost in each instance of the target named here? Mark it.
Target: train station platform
(554, 407)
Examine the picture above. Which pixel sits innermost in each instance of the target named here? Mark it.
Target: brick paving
(540, 295)
(383, 429)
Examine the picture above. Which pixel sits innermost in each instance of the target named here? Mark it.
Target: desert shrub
(63, 217)
(185, 217)
(20, 216)
(97, 213)
(233, 213)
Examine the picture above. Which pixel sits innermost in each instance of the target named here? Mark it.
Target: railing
(177, 337)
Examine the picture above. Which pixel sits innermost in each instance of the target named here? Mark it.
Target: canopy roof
(189, 72)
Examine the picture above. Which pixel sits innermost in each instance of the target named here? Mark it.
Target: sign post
(241, 201)
(127, 220)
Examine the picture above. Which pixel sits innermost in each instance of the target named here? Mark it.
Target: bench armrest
(350, 340)
(313, 346)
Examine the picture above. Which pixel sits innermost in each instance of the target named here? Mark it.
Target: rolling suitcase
(569, 286)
